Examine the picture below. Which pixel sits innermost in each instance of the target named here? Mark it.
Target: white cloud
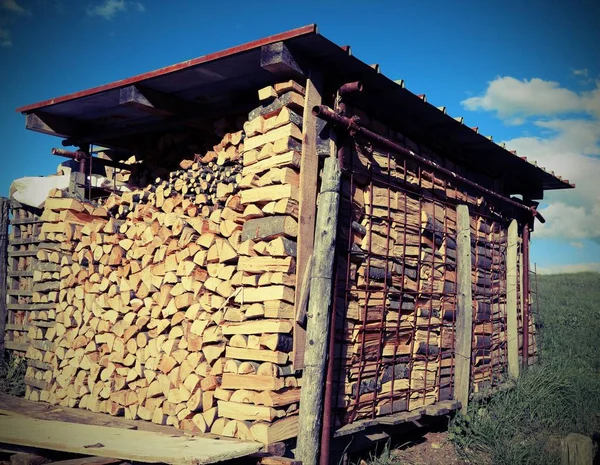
(5, 38)
(577, 244)
(568, 143)
(570, 148)
(571, 268)
(110, 8)
(581, 72)
(13, 6)
(515, 100)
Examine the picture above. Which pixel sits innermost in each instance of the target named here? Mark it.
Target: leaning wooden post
(512, 331)
(464, 314)
(3, 268)
(319, 305)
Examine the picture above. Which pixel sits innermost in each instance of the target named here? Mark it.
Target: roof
(225, 82)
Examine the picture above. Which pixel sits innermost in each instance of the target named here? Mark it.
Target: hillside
(558, 396)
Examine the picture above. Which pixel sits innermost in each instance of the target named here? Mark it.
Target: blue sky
(527, 73)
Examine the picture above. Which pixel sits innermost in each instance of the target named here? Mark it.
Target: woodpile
(22, 250)
(175, 303)
(396, 308)
(488, 276)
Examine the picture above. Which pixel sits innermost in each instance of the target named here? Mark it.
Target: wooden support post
(309, 167)
(464, 317)
(576, 449)
(512, 330)
(4, 204)
(319, 305)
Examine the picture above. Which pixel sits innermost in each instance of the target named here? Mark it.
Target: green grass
(560, 395)
(12, 374)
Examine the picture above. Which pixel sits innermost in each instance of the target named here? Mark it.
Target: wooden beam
(512, 330)
(277, 59)
(319, 306)
(4, 203)
(50, 124)
(157, 103)
(464, 316)
(309, 173)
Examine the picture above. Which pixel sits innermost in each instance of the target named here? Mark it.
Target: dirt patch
(433, 448)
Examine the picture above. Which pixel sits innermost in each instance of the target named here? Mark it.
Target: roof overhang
(225, 83)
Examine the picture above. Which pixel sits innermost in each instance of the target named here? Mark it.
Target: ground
(434, 449)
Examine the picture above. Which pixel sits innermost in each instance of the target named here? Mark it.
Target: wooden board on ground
(139, 446)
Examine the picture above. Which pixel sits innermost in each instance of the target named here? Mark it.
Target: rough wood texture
(309, 167)
(319, 304)
(464, 316)
(3, 267)
(512, 334)
(576, 449)
(139, 446)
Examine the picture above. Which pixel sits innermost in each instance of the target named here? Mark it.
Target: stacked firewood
(175, 302)
(489, 303)
(396, 311)
(63, 219)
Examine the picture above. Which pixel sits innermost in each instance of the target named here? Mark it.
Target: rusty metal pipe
(348, 124)
(525, 294)
(79, 155)
(350, 87)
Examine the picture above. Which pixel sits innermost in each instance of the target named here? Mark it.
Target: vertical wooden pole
(576, 449)
(317, 327)
(3, 268)
(512, 330)
(309, 166)
(464, 314)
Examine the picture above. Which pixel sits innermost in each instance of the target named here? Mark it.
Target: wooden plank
(23, 253)
(15, 327)
(20, 274)
(4, 204)
(37, 383)
(309, 174)
(355, 427)
(399, 418)
(257, 355)
(257, 327)
(42, 324)
(25, 221)
(512, 330)
(134, 445)
(289, 130)
(32, 307)
(269, 228)
(18, 346)
(252, 382)
(319, 305)
(19, 292)
(88, 461)
(16, 242)
(464, 317)
(441, 408)
(39, 365)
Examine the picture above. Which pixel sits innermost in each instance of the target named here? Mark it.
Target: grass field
(558, 396)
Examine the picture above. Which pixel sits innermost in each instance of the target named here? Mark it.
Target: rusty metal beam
(356, 130)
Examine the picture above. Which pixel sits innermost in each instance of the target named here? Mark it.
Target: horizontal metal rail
(355, 129)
